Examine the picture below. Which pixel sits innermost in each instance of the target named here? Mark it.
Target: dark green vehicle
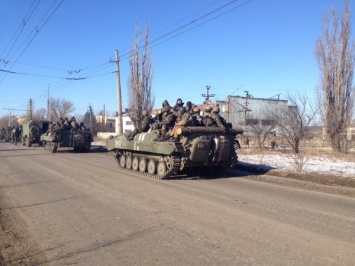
(199, 148)
(78, 139)
(32, 131)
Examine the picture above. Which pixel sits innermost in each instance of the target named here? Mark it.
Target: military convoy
(78, 139)
(32, 131)
(198, 148)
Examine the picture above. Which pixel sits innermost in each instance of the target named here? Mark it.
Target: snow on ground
(321, 164)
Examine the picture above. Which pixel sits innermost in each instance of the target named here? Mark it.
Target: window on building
(128, 123)
(251, 122)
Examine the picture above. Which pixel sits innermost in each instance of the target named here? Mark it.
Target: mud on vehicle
(198, 148)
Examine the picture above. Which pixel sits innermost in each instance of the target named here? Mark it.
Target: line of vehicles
(199, 148)
(37, 132)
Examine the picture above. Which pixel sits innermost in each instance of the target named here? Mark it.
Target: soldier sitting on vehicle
(207, 119)
(179, 104)
(184, 119)
(167, 122)
(196, 117)
(147, 120)
(82, 126)
(217, 119)
(67, 124)
(74, 124)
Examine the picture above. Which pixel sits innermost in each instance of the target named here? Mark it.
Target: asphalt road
(79, 208)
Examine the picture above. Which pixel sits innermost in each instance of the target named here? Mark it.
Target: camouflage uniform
(145, 126)
(196, 117)
(179, 104)
(217, 119)
(168, 121)
(207, 119)
(184, 119)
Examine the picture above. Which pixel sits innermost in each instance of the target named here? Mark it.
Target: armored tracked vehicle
(32, 131)
(198, 148)
(80, 140)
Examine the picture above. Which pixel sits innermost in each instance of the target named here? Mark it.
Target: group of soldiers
(169, 119)
(11, 133)
(65, 124)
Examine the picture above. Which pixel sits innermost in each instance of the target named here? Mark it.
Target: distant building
(238, 110)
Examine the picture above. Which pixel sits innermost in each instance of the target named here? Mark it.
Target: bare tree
(260, 128)
(293, 121)
(140, 79)
(40, 114)
(60, 108)
(336, 55)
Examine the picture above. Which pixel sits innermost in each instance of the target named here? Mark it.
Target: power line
(36, 30)
(18, 32)
(97, 68)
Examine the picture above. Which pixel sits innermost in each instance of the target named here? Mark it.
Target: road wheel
(122, 161)
(27, 142)
(88, 147)
(129, 162)
(135, 164)
(152, 166)
(142, 165)
(53, 147)
(161, 169)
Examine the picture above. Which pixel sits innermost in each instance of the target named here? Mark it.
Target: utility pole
(30, 109)
(48, 115)
(208, 95)
(119, 128)
(246, 104)
(103, 122)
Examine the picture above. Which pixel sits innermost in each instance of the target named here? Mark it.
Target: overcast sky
(265, 47)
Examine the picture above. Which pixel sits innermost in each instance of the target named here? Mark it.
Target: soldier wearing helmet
(217, 119)
(184, 119)
(179, 104)
(207, 119)
(167, 123)
(147, 120)
(196, 117)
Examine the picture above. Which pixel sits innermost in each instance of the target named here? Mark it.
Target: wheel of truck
(142, 165)
(88, 147)
(28, 142)
(122, 161)
(161, 171)
(135, 164)
(53, 147)
(129, 162)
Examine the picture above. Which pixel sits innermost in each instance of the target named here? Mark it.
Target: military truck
(79, 140)
(198, 148)
(32, 131)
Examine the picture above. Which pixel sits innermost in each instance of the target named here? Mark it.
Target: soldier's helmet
(182, 111)
(179, 101)
(166, 109)
(145, 113)
(208, 109)
(215, 110)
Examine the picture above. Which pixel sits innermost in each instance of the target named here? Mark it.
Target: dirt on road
(16, 247)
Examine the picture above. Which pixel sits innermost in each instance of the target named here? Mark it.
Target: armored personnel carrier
(198, 148)
(78, 139)
(32, 131)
